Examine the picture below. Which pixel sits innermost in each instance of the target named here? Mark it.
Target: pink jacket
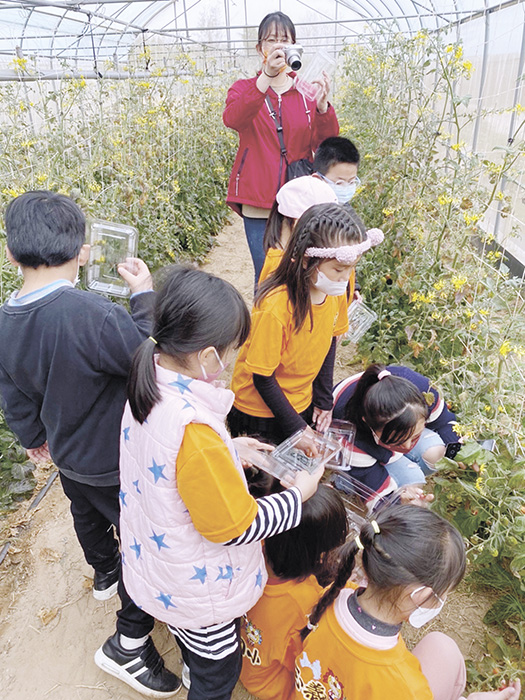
(255, 175)
(169, 569)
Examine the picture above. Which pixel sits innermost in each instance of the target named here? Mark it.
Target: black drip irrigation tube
(36, 500)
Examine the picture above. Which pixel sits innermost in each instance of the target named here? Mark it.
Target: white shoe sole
(185, 677)
(111, 667)
(107, 593)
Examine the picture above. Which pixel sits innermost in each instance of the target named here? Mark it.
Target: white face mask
(77, 276)
(344, 191)
(420, 616)
(214, 375)
(328, 286)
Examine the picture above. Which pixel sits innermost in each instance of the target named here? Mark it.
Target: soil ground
(50, 623)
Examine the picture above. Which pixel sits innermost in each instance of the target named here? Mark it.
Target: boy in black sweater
(64, 360)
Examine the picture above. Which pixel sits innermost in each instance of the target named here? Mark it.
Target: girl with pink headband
(283, 375)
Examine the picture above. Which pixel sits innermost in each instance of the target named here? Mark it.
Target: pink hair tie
(384, 373)
(348, 254)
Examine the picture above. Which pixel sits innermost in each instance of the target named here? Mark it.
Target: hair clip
(150, 337)
(375, 527)
(384, 373)
(358, 542)
(309, 624)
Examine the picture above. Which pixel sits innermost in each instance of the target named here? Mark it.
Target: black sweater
(64, 361)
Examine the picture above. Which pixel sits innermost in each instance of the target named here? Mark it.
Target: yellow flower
(505, 348)
(457, 146)
(467, 68)
(388, 212)
(459, 53)
(175, 186)
(19, 64)
(439, 285)
(458, 282)
(479, 484)
(444, 199)
(41, 178)
(13, 191)
(471, 218)
(499, 195)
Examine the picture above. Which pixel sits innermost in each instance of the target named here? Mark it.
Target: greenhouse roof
(79, 30)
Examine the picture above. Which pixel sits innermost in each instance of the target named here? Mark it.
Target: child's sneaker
(142, 669)
(105, 585)
(186, 678)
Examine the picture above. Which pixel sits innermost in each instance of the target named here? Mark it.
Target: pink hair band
(384, 373)
(348, 254)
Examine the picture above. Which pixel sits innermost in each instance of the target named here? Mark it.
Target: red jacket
(255, 175)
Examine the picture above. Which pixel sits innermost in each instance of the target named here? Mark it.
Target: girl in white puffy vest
(190, 531)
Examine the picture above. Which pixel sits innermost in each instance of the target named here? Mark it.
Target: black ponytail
(193, 310)
(392, 404)
(347, 554)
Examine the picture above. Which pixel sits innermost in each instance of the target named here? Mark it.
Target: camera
(292, 55)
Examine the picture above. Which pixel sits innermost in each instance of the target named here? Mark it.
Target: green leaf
(470, 453)
(517, 565)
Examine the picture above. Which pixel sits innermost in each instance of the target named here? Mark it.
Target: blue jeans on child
(411, 468)
(254, 229)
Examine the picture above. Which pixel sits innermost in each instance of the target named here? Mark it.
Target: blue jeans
(411, 468)
(254, 229)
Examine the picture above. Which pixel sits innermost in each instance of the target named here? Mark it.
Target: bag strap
(278, 125)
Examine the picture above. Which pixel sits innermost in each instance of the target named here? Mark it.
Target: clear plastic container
(343, 432)
(265, 461)
(360, 318)
(290, 453)
(110, 244)
(354, 495)
(319, 63)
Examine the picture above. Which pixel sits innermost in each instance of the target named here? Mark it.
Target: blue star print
(182, 383)
(136, 548)
(228, 575)
(166, 599)
(258, 579)
(122, 495)
(126, 434)
(157, 470)
(136, 485)
(159, 540)
(200, 574)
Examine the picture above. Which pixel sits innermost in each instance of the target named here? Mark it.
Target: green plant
(446, 303)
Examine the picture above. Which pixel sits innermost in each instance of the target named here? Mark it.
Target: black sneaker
(142, 669)
(105, 585)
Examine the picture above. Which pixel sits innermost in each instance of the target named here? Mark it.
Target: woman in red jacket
(259, 169)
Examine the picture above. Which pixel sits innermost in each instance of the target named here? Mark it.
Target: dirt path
(50, 623)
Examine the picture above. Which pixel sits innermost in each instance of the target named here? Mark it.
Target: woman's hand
(275, 62)
(322, 419)
(136, 273)
(322, 97)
